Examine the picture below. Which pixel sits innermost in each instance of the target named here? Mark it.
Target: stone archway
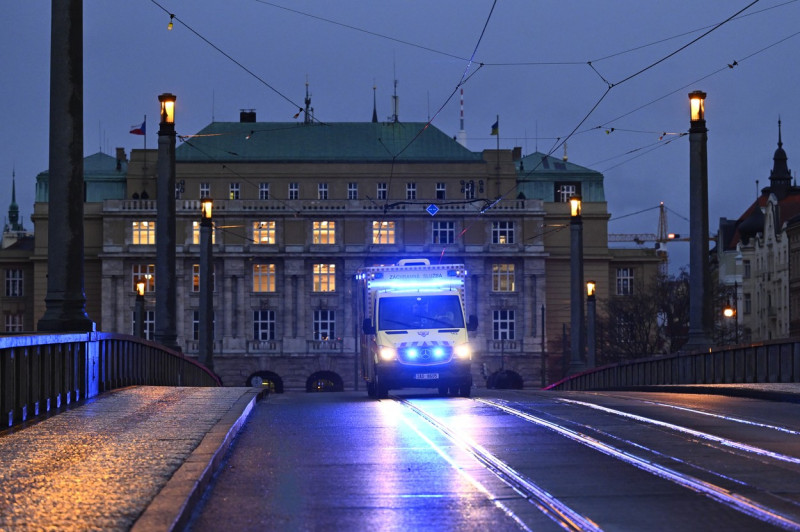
(324, 381)
(270, 379)
(505, 380)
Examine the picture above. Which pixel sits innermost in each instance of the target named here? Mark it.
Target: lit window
(324, 277)
(382, 232)
(322, 191)
(502, 232)
(205, 190)
(263, 324)
(444, 232)
(382, 191)
(503, 324)
(263, 277)
(624, 281)
(14, 283)
(196, 279)
(411, 191)
(263, 232)
(352, 190)
(196, 233)
(294, 191)
(503, 277)
(324, 324)
(324, 232)
(233, 191)
(144, 232)
(564, 191)
(263, 191)
(146, 273)
(14, 323)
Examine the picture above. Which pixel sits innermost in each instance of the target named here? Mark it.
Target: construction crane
(661, 238)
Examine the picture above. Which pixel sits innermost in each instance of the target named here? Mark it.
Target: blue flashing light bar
(411, 285)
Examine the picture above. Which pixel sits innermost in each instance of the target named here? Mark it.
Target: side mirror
(472, 322)
(367, 326)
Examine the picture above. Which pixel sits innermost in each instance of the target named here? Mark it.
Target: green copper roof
(351, 142)
(537, 164)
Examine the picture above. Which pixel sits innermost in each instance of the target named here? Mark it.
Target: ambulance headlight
(388, 353)
(463, 351)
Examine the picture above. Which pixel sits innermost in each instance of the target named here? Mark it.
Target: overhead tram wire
(610, 86)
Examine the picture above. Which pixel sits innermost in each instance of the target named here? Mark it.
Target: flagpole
(498, 142)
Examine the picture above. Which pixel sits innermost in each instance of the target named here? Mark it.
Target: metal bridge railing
(777, 361)
(40, 373)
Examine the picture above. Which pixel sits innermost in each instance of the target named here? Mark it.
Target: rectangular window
(503, 278)
(294, 191)
(263, 277)
(624, 281)
(747, 271)
(263, 324)
(323, 232)
(748, 303)
(411, 191)
(149, 324)
(352, 190)
(196, 279)
(324, 277)
(144, 233)
(13, 323)
(14, 282)
(503, 324)
(233, 191)
(196, 325)
(322, 191)
(205, 190)
(444, 232)
(502, 232)
(564, 191)
(468, 188)
(382, 191)
(146, 273)
(382, 232)
(264, 232)
(196, 233)
(263, 191)
(324, 324)
(441, 191)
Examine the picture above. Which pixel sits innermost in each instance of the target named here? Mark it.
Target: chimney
(121, 158)
(247, 115)
(516, 153)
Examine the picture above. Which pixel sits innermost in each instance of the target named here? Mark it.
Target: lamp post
(140, 309)
(591, 325)
(166, 315)
(206, 313)
(576, 362)
(733, 311)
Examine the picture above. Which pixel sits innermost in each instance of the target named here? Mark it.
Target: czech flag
(137, 129)
(495, 128)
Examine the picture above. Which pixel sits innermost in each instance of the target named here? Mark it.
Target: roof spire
(13, 209)
(780, 178)
(374, 104)
(309, 111)
(461, 137)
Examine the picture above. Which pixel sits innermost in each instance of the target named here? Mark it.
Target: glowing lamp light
(387, 353)
(206, 205)
(591, 286)
(697, 105)
(463, 351)
(140, 288)
(412, 353)
(167, 108)
(729, 311)
(438, 352)
(575, 206)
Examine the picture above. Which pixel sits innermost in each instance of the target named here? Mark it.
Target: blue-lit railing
(43, 372)
(757, 363)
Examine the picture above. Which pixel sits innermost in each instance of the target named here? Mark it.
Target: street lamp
(733, 311)
(576, 363)
(206, 312)
(166, 315)
(140, 285)
(591, 325)
(700, 317)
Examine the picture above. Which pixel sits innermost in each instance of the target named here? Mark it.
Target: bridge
(108, 431)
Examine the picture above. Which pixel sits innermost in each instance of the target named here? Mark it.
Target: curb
(751, 392)
(173, 506)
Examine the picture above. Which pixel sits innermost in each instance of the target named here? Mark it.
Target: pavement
(135, 458)
(140, 458)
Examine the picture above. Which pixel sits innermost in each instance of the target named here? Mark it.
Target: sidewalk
(787, 392)
(137, 457)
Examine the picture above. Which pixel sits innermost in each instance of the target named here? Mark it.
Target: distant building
(298, 207)
(754, 256)
(16, 269)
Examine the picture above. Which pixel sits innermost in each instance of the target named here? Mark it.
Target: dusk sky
(613, 76)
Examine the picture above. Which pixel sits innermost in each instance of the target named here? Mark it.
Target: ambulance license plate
(425, 376)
